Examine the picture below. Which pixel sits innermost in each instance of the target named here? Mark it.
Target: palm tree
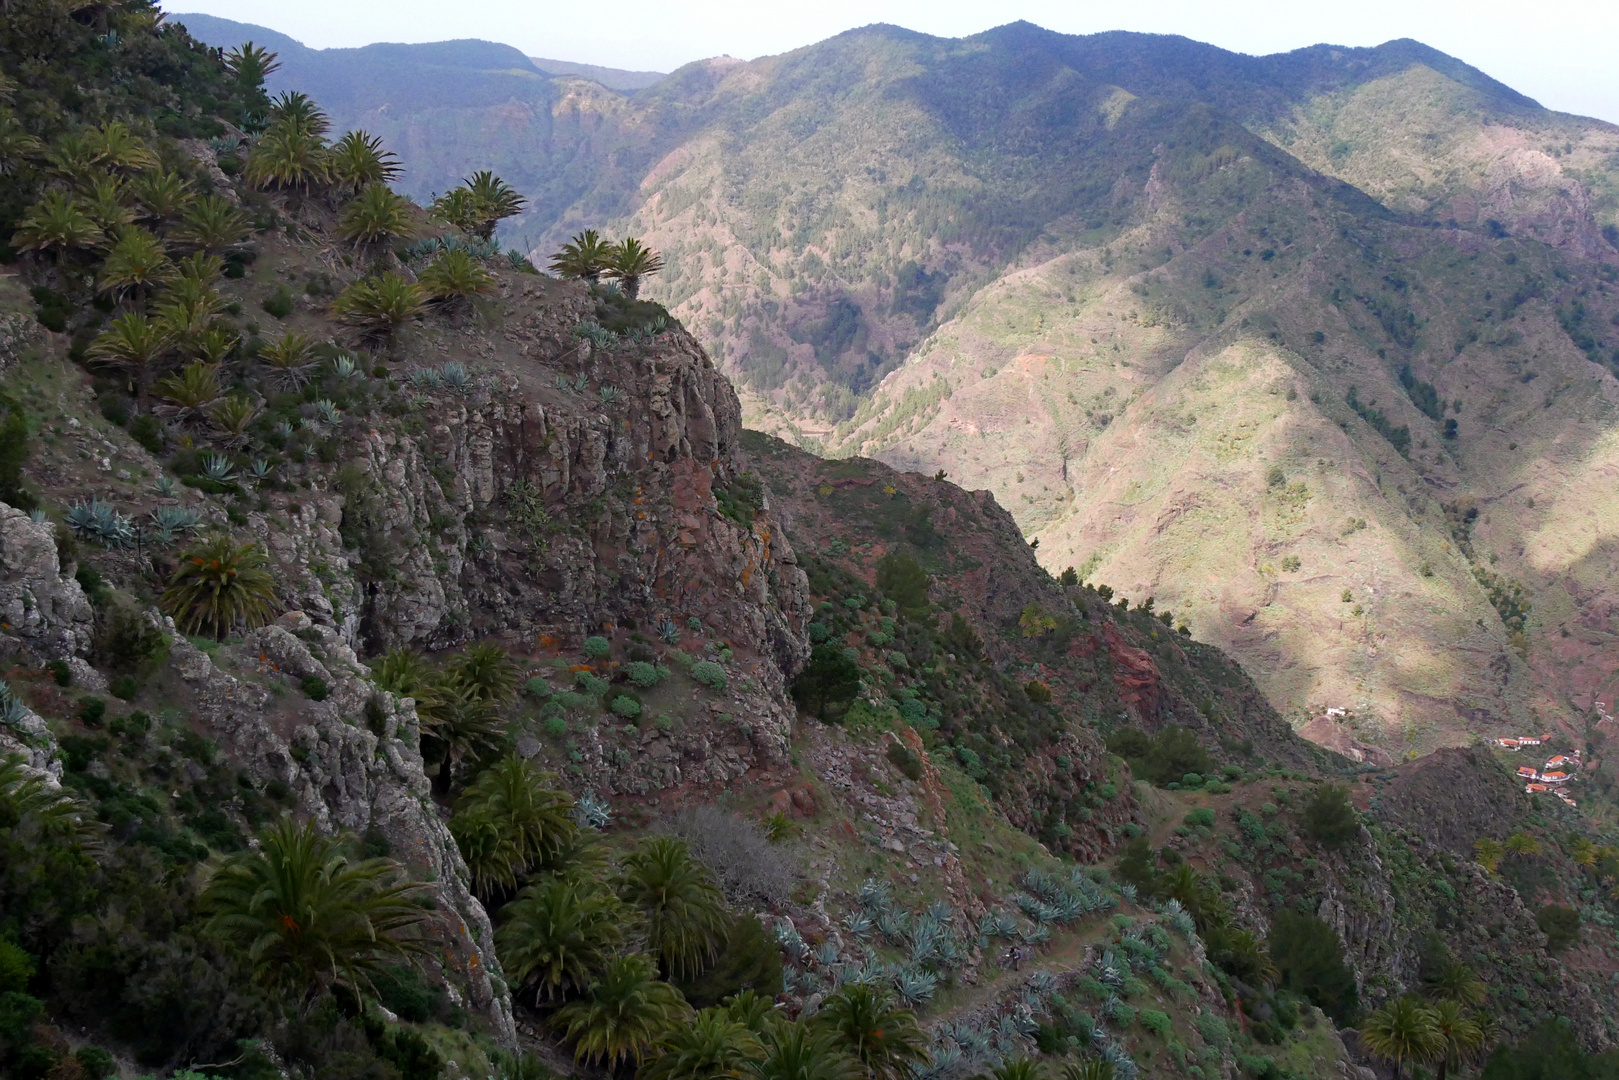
(560, 933)
(29, 808)
(17, 146)
(623, 1014)
(288, 359)
(712, 1047)
(379, 306)
(1463, 1036)
(682, 909)
(358, 159)
(213, 344)
(117, 148)
(1455, 981)
(1489, 852)
(163, 192)
(233, 417)
(403, 672)
(798, 1052)
(212, 224)
(135, 263)
(586, 256)
(530, 816)
(457, 207)
(376, 217)
(1521, 843)
(882, 1035)
(309, 919)
(1017, 1068)
(752, 1010)
(106, 200)
(287, 157)
(134, 344)
(460, 724)
(495, 200)
(56, 223)
(74, 157)
(1094, 1069)
(1402, 1031)
(493, 860)
(249, 64)
(630, 262)
(454, 277)
(488, 672)
(188, 394)
(218, 585)
(298, 112)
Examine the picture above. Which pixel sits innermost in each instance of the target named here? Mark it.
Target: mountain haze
(1121, 280)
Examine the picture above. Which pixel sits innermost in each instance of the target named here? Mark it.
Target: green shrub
(1201, 816)
(95, 1063)
(626, 706)
(1329, 818)
(125, 687)
(1310, 957)
(829, 682)
(1161, 759)
(597, 648)
(1155, 1021)
(556, 726)
(92, 710)
(709, 674)
(1192, 780)
(902, 579)
(590, 685)
(61, 674)
(645, 675)
(537, 687)
(16, 968)
(905, 760)
(279, 303)
(1560, 924)
(314, 687)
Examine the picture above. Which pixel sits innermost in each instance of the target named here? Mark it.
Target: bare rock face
(44, 615)
(352, 763)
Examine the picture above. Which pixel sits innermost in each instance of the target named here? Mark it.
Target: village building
(1527, 772)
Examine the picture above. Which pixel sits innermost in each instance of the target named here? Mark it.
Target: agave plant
(170, 521)
(874, 896)
(893, 924)
(426, 379)
(826, 954)
(858, 923)
(165, 486)
(259, 469)
(219, 468)
(327, 412)
(283, 428)
(13, 713)
(520, 262)
(456, 377)
(101, 522)
(344, 367)
(610, 394)
(915, 986)
(590, 812)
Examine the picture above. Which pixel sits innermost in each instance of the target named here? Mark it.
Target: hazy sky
(1564, 53)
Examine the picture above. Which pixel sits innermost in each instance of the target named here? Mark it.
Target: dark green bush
(829, 682)
(1560, 924)
(147, 430)
(279, 303)
(1164, 758)
(1329, 818)
(905, 760)
(314, 687)
(750, 960)
(92, 710)
(1310, 957)
(902, 579)
(61, 674)
(125, 687)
